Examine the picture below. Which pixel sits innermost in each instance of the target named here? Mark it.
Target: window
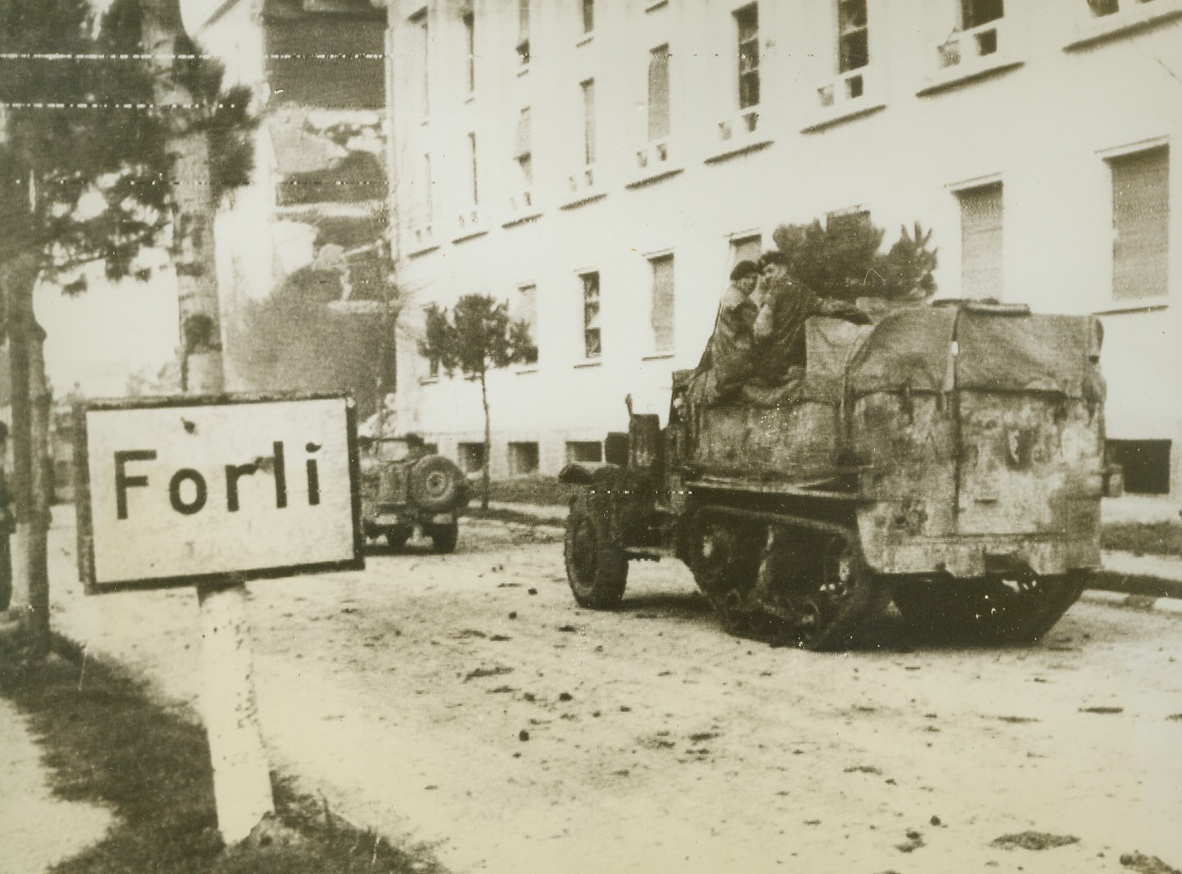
(588, 16)
(974, 13)
(1140, 224)
(658, 94)
(662, 303)
(747, 248)
(432, 360)
(1145, 464)
(418, 65)
(981, 241)
(1101, 8)
(525, 310)
(588, 89)
(523, 459)
(470, 456)
(426, 197)
(584, 451)
(523, 32)
(853, 39)
(747, 25)
(981, 22)
(473, 179)
(470, 50)
(523, 157)
(591, 338)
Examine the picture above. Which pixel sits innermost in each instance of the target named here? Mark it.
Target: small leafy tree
(841, 259)
(475, 337)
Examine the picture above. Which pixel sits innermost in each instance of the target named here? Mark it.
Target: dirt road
(466, 702)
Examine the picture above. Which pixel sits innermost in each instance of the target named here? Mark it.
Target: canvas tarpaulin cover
(995, 350)
(909, 347)
(1035, 353)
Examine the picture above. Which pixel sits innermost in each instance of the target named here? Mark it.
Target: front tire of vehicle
(596, 568)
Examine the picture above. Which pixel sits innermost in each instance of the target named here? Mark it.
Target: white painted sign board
(184, 490)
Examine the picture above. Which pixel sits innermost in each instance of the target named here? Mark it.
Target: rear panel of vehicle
(1001, 464)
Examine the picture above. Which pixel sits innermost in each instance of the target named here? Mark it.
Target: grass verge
(506, 514)
(542, 490)
(1150, 538)
(108, 743)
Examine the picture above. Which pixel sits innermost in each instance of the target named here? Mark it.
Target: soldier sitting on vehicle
(757, 349)
(728, 359)
(779, 332)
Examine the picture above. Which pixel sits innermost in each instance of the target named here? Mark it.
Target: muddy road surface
(466, 702)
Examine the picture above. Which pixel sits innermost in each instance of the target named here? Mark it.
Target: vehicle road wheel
(724, 557)
(444, 537)
(397, 537)
(596, 569)
(435, 483)
(847, 599)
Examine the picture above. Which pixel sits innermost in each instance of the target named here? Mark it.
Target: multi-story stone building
(601, 165)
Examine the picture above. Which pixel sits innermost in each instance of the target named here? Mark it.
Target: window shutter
(658, 93)
(1140, 225)
(662, 314)
(523, 131)
(475, 190)
(745, 249)
(588, 122)
(417, 64)
(981, 242)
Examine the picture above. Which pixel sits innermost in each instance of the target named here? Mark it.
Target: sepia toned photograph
(590, 436)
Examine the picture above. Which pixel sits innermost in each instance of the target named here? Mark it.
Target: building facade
(602, 165)
(314, 213)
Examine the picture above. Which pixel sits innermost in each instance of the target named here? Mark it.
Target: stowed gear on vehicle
(950, 458)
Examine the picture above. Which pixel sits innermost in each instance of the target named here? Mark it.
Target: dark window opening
(747, 21)
(853, 35)
(470, 50)
(1146, 465)
(470, 456)
(523, 32)
(523, 459)
(591, 337)
(585, 451)
(974, 13)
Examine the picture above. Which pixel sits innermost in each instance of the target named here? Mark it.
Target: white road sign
(185, 490)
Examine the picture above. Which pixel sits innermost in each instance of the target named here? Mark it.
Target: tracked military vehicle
(949, 458)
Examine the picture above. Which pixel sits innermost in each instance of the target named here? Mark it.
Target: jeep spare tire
(436, 483)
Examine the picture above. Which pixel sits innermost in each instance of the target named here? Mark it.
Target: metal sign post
(212, 492)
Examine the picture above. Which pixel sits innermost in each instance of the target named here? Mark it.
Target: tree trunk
(30, 583)
(36, 556)
(193, 245)
(485, 476)
(241, 775)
